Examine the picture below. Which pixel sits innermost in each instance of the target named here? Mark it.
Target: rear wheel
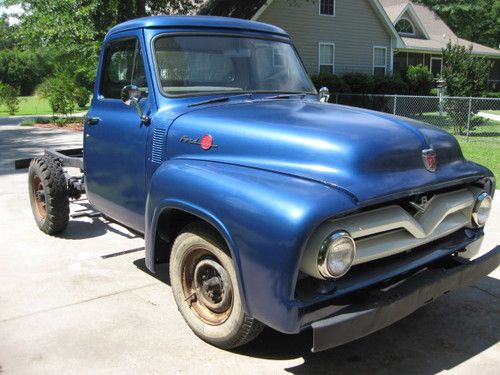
(48, 194)
(205, 289)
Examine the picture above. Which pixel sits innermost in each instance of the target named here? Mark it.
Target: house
(369, 36)
(424, 35)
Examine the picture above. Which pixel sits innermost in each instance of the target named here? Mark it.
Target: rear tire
(48, 194)
(205, 289)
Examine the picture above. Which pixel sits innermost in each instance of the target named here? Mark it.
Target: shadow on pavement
(433, 339)
(19, 143)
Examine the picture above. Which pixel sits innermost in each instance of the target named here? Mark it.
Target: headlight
(481, 209)
(336, 255)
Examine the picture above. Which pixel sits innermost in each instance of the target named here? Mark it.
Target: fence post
(468, 118)
(395, 103)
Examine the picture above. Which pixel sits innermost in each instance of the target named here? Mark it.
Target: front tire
(48, 194)
(206, 291)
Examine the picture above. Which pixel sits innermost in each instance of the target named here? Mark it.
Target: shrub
(27, 123)
(359, 83)
(464, 75)
(389, 85)
(42, 120)
(60, 91)
(82, 96)
(334, 83)
(9, 97)
(420, 80)
(60, 121)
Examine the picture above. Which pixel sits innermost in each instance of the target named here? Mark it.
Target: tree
(478, 20)
(464, 75)
(9, 97)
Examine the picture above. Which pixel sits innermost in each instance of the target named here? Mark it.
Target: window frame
(410, 22)
(440, 58)
(104, 66)
(333, 56)
(328, 15)
(385, 60)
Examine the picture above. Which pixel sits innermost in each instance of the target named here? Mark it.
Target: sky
(14, 9)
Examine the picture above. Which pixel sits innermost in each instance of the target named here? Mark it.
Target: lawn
(33, 105)
(483, 145)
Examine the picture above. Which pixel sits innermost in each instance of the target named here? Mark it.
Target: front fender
(265, 218)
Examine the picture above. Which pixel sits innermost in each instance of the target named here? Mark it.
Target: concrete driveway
(84, 303)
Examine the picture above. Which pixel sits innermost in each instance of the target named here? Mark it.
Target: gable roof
(252, 9)
(438, 34)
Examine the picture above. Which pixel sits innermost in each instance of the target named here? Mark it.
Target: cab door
(115, 137)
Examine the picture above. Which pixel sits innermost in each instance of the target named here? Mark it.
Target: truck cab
(272, 207)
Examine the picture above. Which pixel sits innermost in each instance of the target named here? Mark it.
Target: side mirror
(131, 94)
(324, 94)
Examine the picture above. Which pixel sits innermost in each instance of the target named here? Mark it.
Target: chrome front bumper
(382, 307)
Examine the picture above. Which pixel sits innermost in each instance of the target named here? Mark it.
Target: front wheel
(205, 289)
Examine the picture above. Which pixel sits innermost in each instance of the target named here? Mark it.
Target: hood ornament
(429, 159)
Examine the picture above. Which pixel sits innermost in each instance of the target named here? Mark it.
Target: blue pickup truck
(271, 206)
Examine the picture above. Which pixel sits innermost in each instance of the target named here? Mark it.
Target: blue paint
(280, 168)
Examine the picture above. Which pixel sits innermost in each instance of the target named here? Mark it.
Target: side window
(123, 65)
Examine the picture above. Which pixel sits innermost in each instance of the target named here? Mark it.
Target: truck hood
(365, 153)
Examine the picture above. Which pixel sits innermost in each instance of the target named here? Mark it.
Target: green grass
(483, 145)
(33, 105)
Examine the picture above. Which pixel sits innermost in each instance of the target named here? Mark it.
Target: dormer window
(404, 26)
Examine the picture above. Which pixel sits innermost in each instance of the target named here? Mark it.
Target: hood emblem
(206, 142)
(420, 204)
(429, 159)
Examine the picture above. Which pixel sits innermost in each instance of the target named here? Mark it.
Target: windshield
(191, 65)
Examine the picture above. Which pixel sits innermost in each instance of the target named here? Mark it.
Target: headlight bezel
(327, 247)
(481, 199)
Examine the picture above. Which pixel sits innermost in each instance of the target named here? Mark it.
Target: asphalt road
(74, 304)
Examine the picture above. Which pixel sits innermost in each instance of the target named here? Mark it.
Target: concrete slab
(65, 308)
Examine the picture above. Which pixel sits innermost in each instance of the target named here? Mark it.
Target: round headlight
(336, 255)
(481, 209)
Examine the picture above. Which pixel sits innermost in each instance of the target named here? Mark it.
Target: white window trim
(373, 59)
(411, 23)
(328, 15)
(319, 56)
(436, 58)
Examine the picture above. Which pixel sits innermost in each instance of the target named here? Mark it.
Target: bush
(82, 96)
(334, 83)
(359, 83)
(420, 80)
(9, 97)
(27, 123)
(464, 75)
(42, 120)
(491, 94)
(60, 92)
(389, 86)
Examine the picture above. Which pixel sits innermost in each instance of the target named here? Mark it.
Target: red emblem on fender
(429, 159)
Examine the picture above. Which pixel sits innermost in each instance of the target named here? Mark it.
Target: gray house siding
(355, 29)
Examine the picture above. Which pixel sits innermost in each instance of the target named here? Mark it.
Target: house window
(379, 60)
(327, 7)
(436, 66)
(404, 26)
(326, 57)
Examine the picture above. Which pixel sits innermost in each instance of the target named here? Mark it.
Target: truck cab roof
(196, 21)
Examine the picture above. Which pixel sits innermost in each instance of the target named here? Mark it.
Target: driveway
(84, 303)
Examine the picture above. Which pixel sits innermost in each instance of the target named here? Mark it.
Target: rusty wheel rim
(39, 197)
(207, 287)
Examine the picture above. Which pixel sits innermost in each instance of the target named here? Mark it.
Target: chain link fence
(467, 118)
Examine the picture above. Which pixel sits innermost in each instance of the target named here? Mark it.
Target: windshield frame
(226, 93)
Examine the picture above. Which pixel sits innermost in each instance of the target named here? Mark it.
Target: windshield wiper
(218, 100)
(286, 96)
(209, 101)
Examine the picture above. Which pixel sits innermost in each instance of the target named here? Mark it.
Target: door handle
(90, 120)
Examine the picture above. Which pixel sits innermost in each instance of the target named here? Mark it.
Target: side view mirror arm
(131, 94)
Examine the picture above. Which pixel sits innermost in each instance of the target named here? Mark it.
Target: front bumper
(383, 307)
